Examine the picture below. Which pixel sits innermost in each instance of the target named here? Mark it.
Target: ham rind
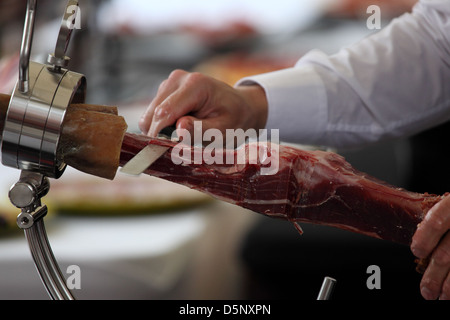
(91, 139)
(310, 186)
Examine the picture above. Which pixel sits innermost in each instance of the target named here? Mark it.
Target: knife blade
(144, 159)
(147, 156)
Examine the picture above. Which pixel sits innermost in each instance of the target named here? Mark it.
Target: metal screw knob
(22, 194)
(25, 220)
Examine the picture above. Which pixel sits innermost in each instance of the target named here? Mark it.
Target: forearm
(388, 85)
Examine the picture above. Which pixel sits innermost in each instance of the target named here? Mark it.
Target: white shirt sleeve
(391, 84)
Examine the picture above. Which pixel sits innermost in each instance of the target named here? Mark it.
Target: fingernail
(427, 294)
(443, 297)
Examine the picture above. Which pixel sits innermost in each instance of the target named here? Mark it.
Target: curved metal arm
(25, 49)
(45, 262)
(26, 194)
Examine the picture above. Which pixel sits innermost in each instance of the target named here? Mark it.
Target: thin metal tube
(25, 50)
(327, 288)
(45, 262)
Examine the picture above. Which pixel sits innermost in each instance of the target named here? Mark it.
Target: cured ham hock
(309, 186)
(90, 138)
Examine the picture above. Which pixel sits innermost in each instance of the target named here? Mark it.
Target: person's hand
(432, 239)
(187, 97)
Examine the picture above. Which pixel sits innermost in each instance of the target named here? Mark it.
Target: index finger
(433, 227)
(178, 104)
(165, 89)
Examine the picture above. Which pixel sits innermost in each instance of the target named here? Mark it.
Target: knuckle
(195, 79)
(163, 85)
(441, 255)
(164, 110)
(159, 112)
(436, 223)
(176, 74)
(438, 218)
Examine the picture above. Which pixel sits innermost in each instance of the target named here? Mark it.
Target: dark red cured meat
(310, 186)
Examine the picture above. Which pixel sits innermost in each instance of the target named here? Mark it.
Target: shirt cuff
(297, 103)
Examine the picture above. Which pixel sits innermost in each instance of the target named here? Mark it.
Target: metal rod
(327, 288)
(45, 262)
(25, 50)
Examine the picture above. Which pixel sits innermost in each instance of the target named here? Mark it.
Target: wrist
(255, 97)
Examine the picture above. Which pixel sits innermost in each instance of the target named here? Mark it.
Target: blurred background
(148, 239)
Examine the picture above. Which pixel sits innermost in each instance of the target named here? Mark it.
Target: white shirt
(392, 84)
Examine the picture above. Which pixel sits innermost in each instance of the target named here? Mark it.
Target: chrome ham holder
(31, 135)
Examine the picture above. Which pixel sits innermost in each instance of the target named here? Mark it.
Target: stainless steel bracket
(26, 194)
(30, 139)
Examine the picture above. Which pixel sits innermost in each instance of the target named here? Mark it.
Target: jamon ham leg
(310, 186)
(315, 187)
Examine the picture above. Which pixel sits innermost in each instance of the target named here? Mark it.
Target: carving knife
(147, 156)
